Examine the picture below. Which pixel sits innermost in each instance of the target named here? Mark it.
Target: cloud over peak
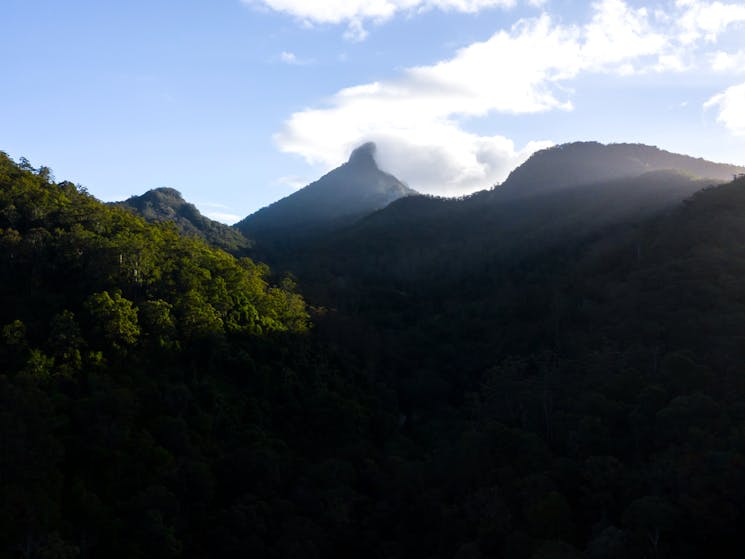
(419, 118)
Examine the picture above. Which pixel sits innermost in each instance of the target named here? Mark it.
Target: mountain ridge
(582, 163)
(428, 239)
(641, 180)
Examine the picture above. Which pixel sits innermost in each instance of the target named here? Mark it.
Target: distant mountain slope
(582, 163)
(353, 190)
(568, 189)
(680, 270)
(543, 219)
(167, 204)
(449, 242)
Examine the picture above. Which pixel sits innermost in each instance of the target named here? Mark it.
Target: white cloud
(355, 13)
(671, 63)
(511, 72)
(731, 106)
(355, 31)
(288, 57)
(433, 155)
(617, 35)
(338, 11)
(693, 20)
(732, 62)
(706, 20)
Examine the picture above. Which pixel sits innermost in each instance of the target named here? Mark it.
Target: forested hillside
(574, 390)
(569, 362)
(149, 385)
(559, 195)
(167, 205)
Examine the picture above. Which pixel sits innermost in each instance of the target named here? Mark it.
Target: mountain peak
(364, 154)
(166, 204)
(340, 197)
(165, 192)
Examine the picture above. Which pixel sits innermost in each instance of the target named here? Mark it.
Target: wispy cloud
(223, 217)
(292, 181)
(356, 13)
(216, 211)
(288, 57)
(292, 59)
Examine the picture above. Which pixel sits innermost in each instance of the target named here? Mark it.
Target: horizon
(451, 196)
(239, 103)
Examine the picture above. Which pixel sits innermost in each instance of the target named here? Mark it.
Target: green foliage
(158, 321)
(113, 319)
(107, 263)
(121, 347)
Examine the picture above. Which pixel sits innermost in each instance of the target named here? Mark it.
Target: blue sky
(238, 102)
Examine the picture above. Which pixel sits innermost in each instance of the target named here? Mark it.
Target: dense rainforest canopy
(580, 394)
